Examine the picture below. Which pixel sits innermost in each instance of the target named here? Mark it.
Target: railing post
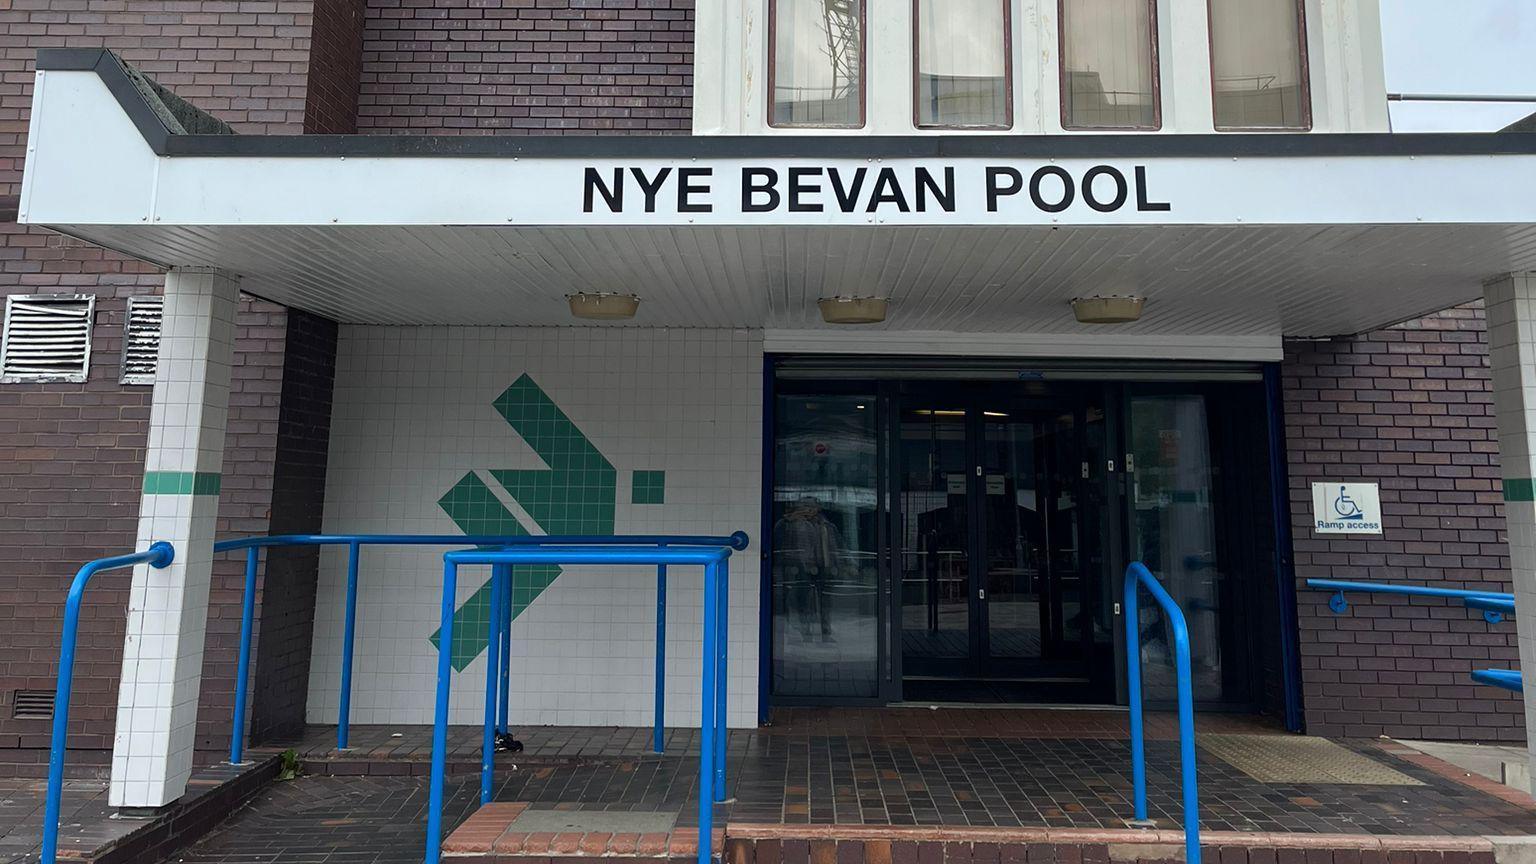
(493, 626)
(1133, 693)
(243, 672)
(707, 718)
(1186, 737)
(504, 614)
(440, 718)
(344, 711)
(658, 744)
(722, 684)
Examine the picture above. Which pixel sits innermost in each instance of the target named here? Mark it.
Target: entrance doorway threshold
(1031, 706)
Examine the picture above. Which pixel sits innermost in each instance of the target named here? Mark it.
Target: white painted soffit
(1246, 237)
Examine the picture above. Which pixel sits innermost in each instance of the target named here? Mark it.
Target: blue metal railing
(1137, 576)
(661, 552)
(161, 554)
(354, 544)
(1493, 604)
(158, 555)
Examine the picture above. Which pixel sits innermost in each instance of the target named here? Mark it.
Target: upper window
(816, 63)
(47, 337)
(1259, 65)
(1109, 64)
(962, 75)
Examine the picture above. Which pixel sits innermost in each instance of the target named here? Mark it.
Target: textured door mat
(591, 821)
(1300, 759)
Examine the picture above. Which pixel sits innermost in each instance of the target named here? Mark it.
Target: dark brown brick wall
(446, 67)
(1410, 408)
(71, 455)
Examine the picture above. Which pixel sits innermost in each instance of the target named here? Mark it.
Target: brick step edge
(212, 800)
(900, 844)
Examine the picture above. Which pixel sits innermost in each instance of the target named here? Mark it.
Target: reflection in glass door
(825, 539)
(934, 538)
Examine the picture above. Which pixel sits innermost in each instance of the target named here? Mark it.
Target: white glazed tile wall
(1511, 304)
(168, 608)
(412, 413)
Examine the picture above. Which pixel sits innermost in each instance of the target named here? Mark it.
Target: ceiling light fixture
(1114, 309)
(852, 310)
(603, 306)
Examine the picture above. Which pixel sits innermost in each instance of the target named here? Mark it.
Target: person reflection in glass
(809, 548)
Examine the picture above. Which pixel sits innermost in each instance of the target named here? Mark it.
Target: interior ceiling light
(1114, 309)
(603, 306)
(852, 310)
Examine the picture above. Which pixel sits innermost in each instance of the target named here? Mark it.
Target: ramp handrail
(1136, 576)
(354, 544)
(159, 556)
(1493, 604)
(713, 684)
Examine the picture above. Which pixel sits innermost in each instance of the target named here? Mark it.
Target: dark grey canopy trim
(164, 141)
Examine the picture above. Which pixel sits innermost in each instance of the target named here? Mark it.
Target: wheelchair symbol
(1345, 506)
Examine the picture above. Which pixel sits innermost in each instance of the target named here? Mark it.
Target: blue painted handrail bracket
(654, 551)
(1138, 576)
(159, 556)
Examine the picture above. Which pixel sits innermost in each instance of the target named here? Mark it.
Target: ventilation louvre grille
(47, 338)
(33, 705)
(141, 339)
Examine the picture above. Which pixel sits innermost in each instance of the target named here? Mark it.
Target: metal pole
(504, 612)
(242, 674)
(1186, 737)
(1133, 693)
(440, 718)
(492, 674)
(706, 720)
(658, 743)
(722, 625)
(344, 713)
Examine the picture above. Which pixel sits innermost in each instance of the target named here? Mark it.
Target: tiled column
(168, 609)
(1511, 305)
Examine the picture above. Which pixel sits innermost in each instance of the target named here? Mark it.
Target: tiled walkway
(992, 767)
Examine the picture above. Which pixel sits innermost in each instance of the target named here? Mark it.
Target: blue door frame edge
(1285, 576)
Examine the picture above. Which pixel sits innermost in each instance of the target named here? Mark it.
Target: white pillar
(1511, 304)
(168, 609)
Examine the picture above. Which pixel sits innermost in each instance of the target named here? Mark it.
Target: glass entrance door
(994, 604)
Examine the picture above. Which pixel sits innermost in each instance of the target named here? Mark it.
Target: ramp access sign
(1346, 508)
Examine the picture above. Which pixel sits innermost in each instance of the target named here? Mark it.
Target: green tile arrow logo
(577, 494)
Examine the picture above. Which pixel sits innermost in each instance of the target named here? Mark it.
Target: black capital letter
(614, 196)
(750, 188)
(652, 187)
(1067, 192)
(1096, 172)
(945, 194)
(798, 187)
(1141, 194)
(996, 191)
(686, 189)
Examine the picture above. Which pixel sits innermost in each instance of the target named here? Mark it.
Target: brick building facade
(1409, 407)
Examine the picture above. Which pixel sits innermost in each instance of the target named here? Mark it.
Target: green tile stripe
(182, 482)
(1519, 489)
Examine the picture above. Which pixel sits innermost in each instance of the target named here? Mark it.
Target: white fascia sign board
(89, 165)
(1346, 508)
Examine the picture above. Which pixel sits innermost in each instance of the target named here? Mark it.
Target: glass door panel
(934, 538)
(1173, 532)
(1015, 552)
(825, 566)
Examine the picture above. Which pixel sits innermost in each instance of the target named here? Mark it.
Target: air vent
(47, 337)
(33, 705)
(141, 339)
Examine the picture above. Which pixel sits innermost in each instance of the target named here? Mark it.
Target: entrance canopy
(1235, 240)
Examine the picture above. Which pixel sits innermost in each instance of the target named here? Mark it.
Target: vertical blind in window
(1257, 73)
(962, 63)
(1108, 68)
(818, 63)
